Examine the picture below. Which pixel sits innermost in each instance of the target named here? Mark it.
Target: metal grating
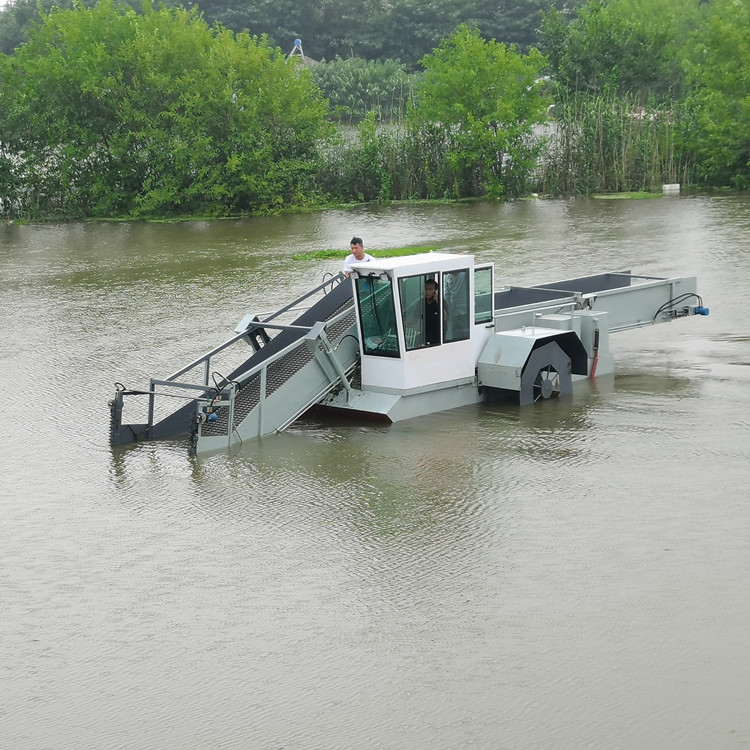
(278, 373)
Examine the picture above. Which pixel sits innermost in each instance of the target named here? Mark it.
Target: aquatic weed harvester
(368, 346)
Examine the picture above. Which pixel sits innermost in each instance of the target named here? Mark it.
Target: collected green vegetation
(109, 112)
(626, 196)
(393, 252)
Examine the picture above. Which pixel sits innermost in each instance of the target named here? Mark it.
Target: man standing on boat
(358, 255)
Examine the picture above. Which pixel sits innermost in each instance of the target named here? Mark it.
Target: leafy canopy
(718, 69)
(486, 98)
(621, 46)
(116, 113)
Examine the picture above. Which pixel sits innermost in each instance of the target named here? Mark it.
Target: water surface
(564, 577)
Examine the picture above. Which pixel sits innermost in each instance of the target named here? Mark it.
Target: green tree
(18, 17)
(719, 72)
(114, 113)
(355, 87)
(515, 22)
(483, 100)
(622, 46)
(335, 28)
(412, 28)
(403, 30)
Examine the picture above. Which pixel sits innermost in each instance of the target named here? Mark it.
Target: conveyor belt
(330, 305)
(279, 372)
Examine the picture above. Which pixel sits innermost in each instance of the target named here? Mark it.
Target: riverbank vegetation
(391, 252)
(112, 112)
(370, 30)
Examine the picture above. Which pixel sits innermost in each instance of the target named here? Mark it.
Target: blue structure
(297, 49)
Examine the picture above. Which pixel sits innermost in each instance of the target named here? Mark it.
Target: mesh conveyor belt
(337, 299)
(279, 372)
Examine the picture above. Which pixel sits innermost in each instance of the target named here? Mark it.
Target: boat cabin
(422, 319)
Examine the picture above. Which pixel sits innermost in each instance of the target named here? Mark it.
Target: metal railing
(172, 381)
(229, 394)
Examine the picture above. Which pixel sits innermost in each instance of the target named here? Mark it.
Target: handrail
(288, 307)
(207, 356)
(261, 369)
(253, 326)
(195, 393)
(291, 346)
(247, 375)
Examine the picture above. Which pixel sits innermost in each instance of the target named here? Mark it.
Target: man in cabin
(358, 255)
(431, 313)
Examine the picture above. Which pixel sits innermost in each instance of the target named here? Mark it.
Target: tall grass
(388, 162)
(606, 144)
(602, 144)
(408, 161)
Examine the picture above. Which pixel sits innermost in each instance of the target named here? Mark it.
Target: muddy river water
(563, 577)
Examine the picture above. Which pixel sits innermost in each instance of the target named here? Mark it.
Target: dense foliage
(403, 30)
(650, 91)
(112, 113)
(609, 144)
(108, 110)
(719, 74)
(355, 87)
(468, 131)
(483, 99)
(623, 47)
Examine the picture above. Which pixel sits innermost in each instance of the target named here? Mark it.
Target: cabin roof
(421, 263)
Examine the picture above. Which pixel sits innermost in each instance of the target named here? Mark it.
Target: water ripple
(488, 577)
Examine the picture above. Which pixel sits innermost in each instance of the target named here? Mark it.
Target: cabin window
(456, 307)
(483, 295)
(420, 310)
(377, 316)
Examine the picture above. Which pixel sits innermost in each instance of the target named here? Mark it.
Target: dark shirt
(432, 323)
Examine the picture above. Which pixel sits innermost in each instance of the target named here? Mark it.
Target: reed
(398, 161)
(609, 144)
(593, 145)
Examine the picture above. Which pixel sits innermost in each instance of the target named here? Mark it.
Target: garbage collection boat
(404, 337)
